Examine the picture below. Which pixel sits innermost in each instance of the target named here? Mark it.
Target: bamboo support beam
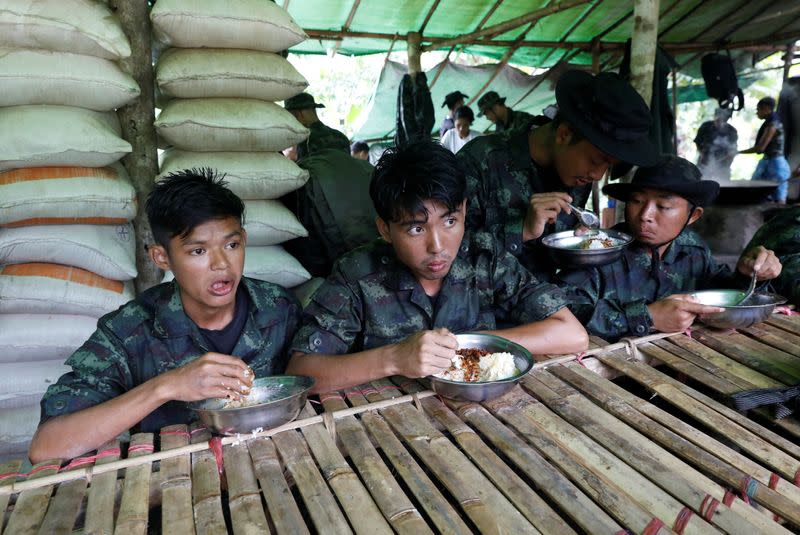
(283, 509)
(244, 498)
(64, 508)
(177, 517)
(100, 504)
(11, 467)
(414, 50)
(507, 25)
(347, 23)
(206, 488)
(431, 11)
(29, 511)
(134, 504)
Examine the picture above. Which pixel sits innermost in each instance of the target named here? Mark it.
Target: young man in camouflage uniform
(645, 288)
(206, 334)
(504, 118)
(520, 182)
(782, 235)
(394, 305)
(304, 109)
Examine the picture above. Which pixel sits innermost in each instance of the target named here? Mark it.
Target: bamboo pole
(100, 504)
(32, 504)
(244, 498)
(359, 506)
(384, 489)
(771, 362)
(502, 475)
(593, 479)
(177, 517)
(64, 508)
(10, 467)
(414, 51)
(132, 518)
(638, 451)
(561, 491)
(767, 334)
(206, 488)
(317, 497)
(602, 392)
(478, 498)
(733, 430)
(787, 323)
(508, 25)
(282, 507)
(437, 508)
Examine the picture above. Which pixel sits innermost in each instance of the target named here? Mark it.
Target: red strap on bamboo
(728, 498)
(797, 477)
(688, 332)
(579, 358)
(708, 507)
(653, 527)
(215, 445)
(141, 447)
(175, 433)
(683, 518)
(773, 480)
(80, 461)
(33, 471)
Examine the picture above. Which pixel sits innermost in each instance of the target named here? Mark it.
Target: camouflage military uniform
(781, 234)
(151, 335)
(322, 137)
(517, 120)
(611, 300)
(371, 299)
(501, 177)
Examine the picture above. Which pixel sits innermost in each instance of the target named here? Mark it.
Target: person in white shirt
(457, 137)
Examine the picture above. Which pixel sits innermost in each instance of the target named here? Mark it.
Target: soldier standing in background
(304, 109)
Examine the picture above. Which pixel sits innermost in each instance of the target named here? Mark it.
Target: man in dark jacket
(304, 109)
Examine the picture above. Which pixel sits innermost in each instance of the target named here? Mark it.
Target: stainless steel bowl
(272, 401)
(565, 248)
(756, 309)
(483, 390)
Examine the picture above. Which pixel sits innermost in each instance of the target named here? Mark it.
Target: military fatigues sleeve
(332, 321)
(482, 216)
(788, 283)
(519, 297)
(99, 373)
(719, 275)
(606, 317)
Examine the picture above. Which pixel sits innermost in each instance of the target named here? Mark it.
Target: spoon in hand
(586, 217)
(750, 289)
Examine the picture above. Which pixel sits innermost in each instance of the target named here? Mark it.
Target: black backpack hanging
(719, 76)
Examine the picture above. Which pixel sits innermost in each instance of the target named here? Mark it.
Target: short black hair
(407, 177)
(465, 112)
(558, 120)
(186, 199)
(359, 146)
(768, 102)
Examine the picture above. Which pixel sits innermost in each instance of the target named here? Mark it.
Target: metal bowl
(483, 390)
(565, 248)
(756, 309)
(272, 401)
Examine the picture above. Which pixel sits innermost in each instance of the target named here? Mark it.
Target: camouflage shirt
(611, 300)
(322, 137)
(501, 177)
(151, 335)
(371, 299)
(517, 120)
(781, 234)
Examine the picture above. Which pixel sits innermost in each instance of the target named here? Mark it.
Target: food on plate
(471, 365)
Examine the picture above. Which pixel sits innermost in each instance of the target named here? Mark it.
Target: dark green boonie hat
(488, 100)
(301, 102)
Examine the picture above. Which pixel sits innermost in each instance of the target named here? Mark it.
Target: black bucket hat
(488, 100)
(673, 174)
(609, 113)
(301, 102)
(452, 98)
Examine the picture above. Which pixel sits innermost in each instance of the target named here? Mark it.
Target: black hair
(359, 146)
(407, 177)
(768, 102)
(465, 112)
(558, 120)
(186, 199)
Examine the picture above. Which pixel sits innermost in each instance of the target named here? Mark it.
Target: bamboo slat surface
(656, 449)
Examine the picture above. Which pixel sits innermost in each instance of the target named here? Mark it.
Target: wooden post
(414, 40)
(137, 128)
(643, 46)
(595, 70)
(787, 60)
(675, 109)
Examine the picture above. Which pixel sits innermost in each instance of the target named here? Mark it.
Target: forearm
(335, 372)
(560, 333)
(70, 435)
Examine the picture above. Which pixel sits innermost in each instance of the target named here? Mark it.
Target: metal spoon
(586, 217)
(750, 289)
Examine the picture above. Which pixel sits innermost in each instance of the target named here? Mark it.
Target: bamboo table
(568, 451)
